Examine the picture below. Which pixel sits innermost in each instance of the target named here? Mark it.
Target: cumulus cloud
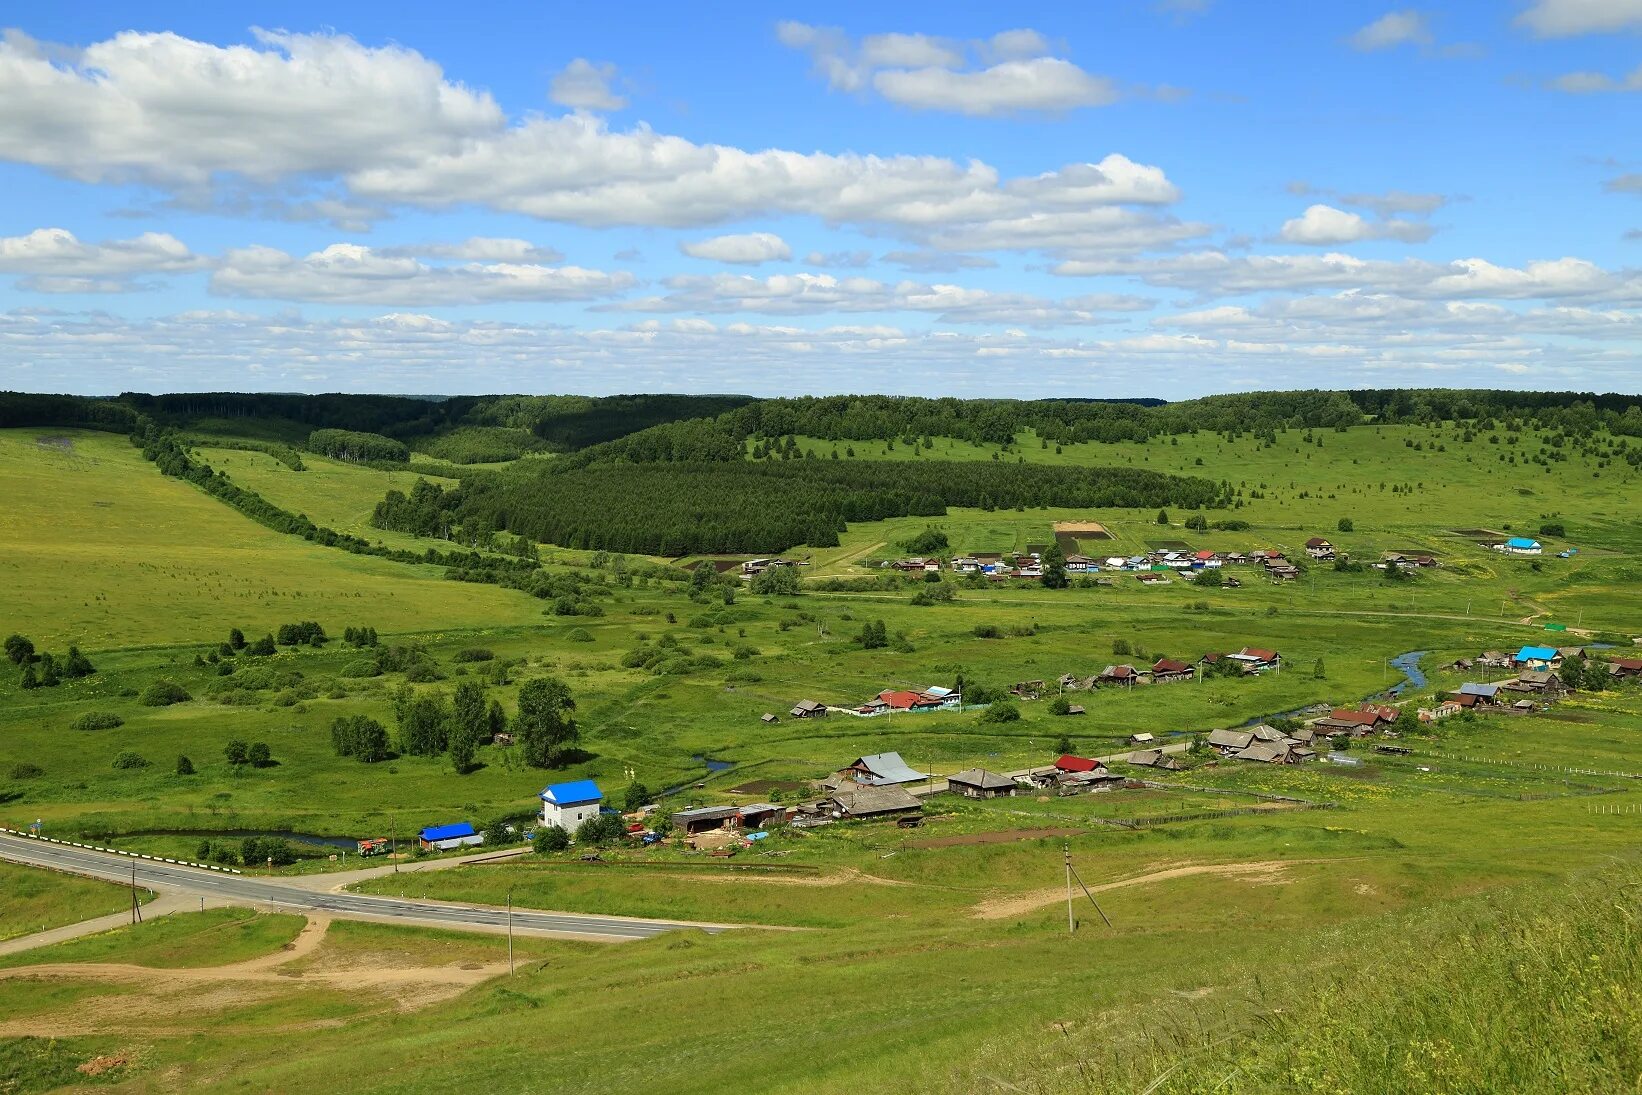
(346, 273)
(292, 104)
(583, 85)
(816, 294)
(1325, 226)
(747, 249)
(1567, 18)
(54, 260)
(1395, 28)
(295, 119)
(1010, 73)
(1214, 273)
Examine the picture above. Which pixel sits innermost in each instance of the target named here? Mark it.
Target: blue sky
(1166, 199)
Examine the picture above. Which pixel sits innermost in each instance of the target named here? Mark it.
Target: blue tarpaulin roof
(1521, 542)
(447, 832)
(574, 793)
(1536, 654)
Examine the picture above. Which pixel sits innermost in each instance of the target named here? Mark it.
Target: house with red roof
(1168, 671)
(1069, 763)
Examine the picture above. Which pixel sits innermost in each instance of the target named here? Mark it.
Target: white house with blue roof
(567, 805)
(1521, 545)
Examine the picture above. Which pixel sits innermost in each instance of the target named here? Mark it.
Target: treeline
(721, 506)
(357, 446)
(569, 422)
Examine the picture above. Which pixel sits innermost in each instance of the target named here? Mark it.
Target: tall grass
(1537, 990)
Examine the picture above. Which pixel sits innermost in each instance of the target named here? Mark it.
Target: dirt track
(179, 1000)
(1002, 908)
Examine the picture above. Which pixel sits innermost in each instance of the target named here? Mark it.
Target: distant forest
(739, 506)
(669, 474)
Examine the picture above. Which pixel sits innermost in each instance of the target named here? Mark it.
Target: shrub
(601, 829)
(474, 654)
(361, 667)
(25, 770)
(579, 635)
(97, 720)
(1001, 711)
(126, 759)
(1345, 525)
(185, 767)
(550, 839)
(163, 693)
(1552, 528)
(988, 631)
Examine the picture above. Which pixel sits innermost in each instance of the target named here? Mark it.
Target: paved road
(249, 890)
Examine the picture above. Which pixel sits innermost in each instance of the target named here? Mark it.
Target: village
(885, 787)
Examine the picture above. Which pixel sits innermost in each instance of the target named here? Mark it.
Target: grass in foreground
(190, 940)
(33, 900)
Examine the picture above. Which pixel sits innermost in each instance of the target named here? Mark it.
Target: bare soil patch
(1267, 872)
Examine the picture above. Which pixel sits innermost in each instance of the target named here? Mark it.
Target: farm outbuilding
(809, 709)
(979, 783)
(442, 838)
(705, 819)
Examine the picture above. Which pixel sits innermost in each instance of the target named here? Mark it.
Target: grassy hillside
(103, 551)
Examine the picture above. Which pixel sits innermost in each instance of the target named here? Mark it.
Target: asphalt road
(249, 890)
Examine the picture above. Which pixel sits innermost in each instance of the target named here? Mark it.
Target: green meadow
(875, 958)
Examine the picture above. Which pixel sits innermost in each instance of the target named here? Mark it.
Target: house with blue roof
(1537, 657)
(567, 805)
(1520, 545)
(442, 838)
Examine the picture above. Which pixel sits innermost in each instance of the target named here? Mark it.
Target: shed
(705, 818)
(979, 783)
(1141, 739)
(759, 814)
(809, 709)
(440, 838)
(1229, 739)
(768, 717)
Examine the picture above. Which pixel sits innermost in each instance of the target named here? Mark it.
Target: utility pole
(510, 931)
(1071, 925)
(136, 905)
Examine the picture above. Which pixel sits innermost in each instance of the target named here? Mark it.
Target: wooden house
(979, 783)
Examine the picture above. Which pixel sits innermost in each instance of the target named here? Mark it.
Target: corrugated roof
(704, 813)
(1536, 654)
(865, 801)
(1521, 542)
(577, 792)
(447, 832)
(980, 777)
(886, 769)
(1472, 689)
(1069, 763)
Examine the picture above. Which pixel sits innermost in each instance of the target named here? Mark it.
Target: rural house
(873, 802)
(442, 838)
(1519, 545)
(1537, 657)
(809, 709)
(1168, 671)
(1119, 674)
(1156, 758)
(1320, 549)
(1472, 695)
(979, 783)
(567, 805)
(880, 770)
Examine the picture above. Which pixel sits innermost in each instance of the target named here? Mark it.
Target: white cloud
(410, 352)
(326, 128)
(53, 260)
(748, 249)
(1325, 226)
(1014, 71)
(846, 259)
(346, 273)
(1395, 28)
(584, 85)
(819, 294)
(1393, 202)
(167, 110)
(1214, 273)
(1566, 18)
